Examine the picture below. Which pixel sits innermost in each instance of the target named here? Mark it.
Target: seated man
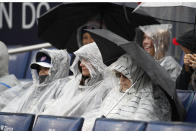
(50, 68)
(155, 40)
(142, 101)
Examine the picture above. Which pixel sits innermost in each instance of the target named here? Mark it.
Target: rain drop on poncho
(143, 101)
(35, 98)
(161, 38)
(78, 99)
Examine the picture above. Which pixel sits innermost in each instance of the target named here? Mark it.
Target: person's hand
(192, 61)
(187, 58)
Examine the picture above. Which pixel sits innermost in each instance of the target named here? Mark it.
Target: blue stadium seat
(191, 113)
(102, 124)
(16, 121)
(186, 97)
(18, 64)
(57, 123)
(28, 72)
(170, 126)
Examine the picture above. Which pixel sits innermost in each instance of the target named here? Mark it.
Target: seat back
(166, 126)
(186, 97)
(102, 124)
(28, 74)
(16, 121)
(191, 113)
(57, 123)
(18, 64)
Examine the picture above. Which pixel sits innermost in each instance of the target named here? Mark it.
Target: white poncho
(142, 102)
(78, 99)
(33, 99)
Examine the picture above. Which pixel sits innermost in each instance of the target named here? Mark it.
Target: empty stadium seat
(186, 97)
(28, 72)
(166, 126)
(16, 121)
(18, 64)
(55, 123)
(191, 113)
(102, 124)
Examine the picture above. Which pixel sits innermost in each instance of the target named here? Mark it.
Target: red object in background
(139, 3)
(175, 42)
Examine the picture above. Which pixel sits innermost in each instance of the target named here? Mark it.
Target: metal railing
(28, 48)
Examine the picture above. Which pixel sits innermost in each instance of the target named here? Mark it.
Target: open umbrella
(181, 12)
(59, 25)
(157, 73)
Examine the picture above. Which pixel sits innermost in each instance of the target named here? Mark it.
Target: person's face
(185, 50)
(125, 83)
(43, 71)
(148, 45)
(85, 71)
(86, 38)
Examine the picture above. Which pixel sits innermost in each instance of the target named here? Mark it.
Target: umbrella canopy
(59, 25)
(182, 12)
(158, 75)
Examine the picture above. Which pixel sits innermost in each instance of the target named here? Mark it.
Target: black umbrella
(159, 76)
(59, 25)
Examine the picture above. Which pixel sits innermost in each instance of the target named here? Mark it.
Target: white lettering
(24, 24)
(8, 17)
(46, 5)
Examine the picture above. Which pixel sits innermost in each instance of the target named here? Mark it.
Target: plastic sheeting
(35, 98)
(78, 99)
(161, 38)
(142, 102)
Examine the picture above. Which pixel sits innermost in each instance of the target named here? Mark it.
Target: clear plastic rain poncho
(34, 99)
(142, 102)
(6, 80)
(161, 38)
(78, 99)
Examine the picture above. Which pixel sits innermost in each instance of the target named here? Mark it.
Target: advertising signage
(18, 22)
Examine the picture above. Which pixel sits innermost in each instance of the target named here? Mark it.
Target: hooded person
(6, 80)
(141, 100)
(155, 40)
(83, 36)
(88, 86)
(187, 78)
(49, 71)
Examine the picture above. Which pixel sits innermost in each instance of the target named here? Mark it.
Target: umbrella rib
(174, 21)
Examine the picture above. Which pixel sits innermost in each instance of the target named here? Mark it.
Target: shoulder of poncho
(169, 63)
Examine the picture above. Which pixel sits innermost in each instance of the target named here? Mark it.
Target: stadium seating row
(24, 122)
(27, 122)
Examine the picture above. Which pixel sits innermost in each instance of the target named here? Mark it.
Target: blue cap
(41, 60)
